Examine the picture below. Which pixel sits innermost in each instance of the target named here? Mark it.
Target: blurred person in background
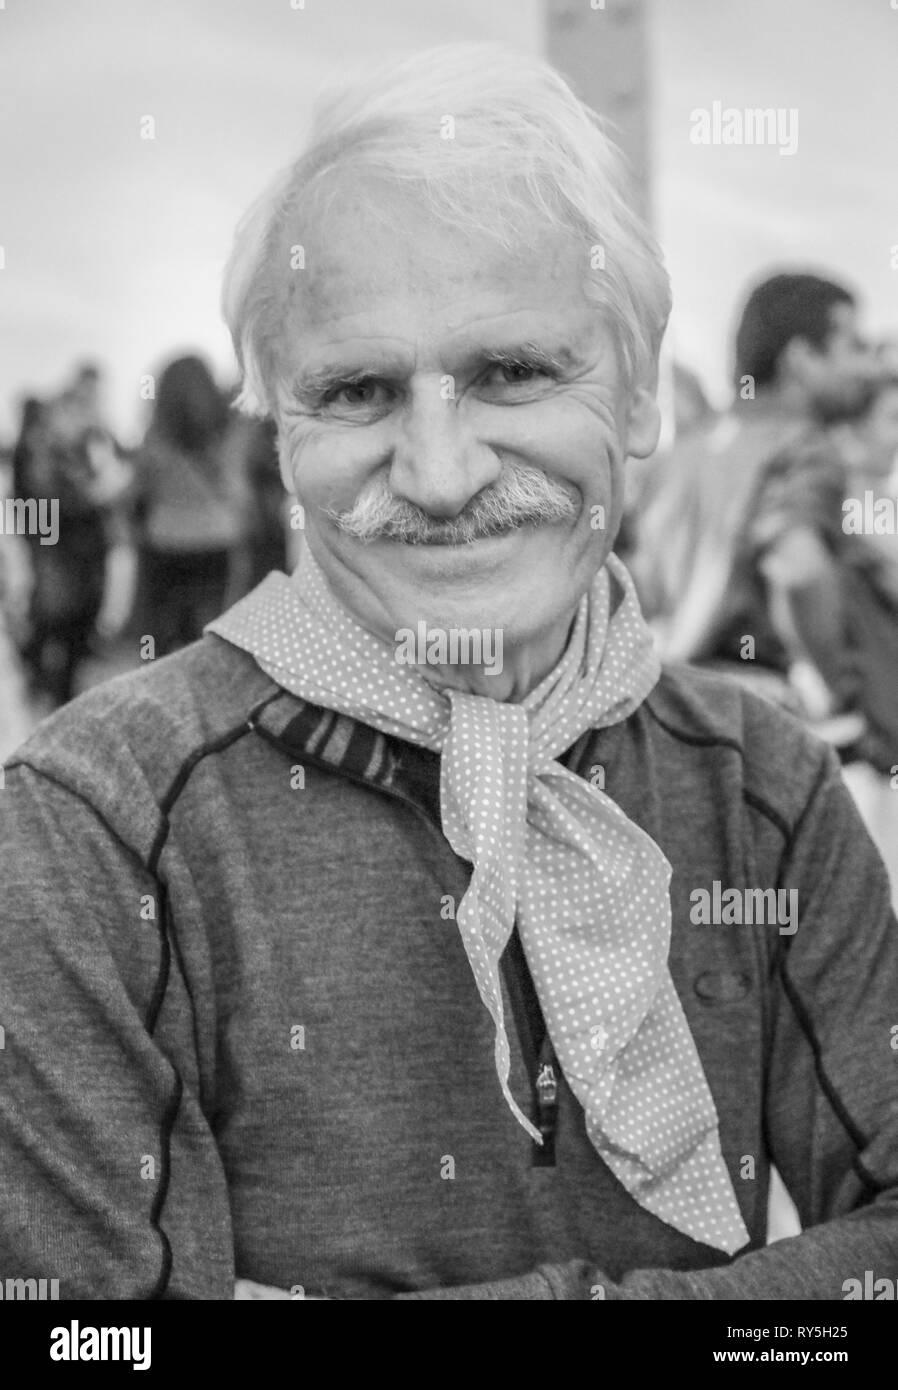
(87, 388)
(30, 446)
(190, 505)
(112, 475)
(16, 581)
(738, 539)
(692, 412)
(16, 720)
(869, 447)
(56, 462)
(66, 451)
(692, 409)
(741, 557)
(30, 441)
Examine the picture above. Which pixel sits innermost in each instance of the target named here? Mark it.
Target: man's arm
(111, 1181)
(832, 1089)
(806, 605)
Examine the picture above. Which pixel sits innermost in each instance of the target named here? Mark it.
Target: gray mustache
(522, 496)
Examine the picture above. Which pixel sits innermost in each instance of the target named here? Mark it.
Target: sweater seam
(167, 939)
(753, 799)
(838, 1106)
(187, 766)
(806, 1024)
(166, 1130)
(829, 1090)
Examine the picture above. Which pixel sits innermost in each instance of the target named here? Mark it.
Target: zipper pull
(546, 1086)
(547, 1108)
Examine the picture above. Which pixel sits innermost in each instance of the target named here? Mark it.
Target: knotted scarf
(551, 850)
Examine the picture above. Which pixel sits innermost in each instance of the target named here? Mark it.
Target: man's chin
(472, 576)
(499, 582)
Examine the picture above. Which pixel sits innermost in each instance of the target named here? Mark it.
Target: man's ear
(643, 423)
(285, 462)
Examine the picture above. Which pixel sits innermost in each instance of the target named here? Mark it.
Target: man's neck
(522, 668)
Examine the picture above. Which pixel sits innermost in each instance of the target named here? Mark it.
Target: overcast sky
(114, 245)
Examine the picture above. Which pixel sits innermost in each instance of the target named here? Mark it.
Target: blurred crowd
(151, 541)
(763, 542)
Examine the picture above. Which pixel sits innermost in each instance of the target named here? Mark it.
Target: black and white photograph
(449, 665)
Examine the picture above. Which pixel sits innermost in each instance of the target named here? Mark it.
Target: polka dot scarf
(588, 887)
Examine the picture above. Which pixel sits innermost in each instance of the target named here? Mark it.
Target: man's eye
(517, 371)
(355, 395)
(514, 374)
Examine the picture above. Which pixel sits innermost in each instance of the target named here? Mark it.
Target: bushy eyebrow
(315, 382)
(527, 355)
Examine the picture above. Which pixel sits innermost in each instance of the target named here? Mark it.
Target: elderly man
(411, 936)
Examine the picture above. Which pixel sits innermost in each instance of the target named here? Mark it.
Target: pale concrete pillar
(601, 46)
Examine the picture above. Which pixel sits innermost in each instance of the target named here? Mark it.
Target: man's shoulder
(130, 736)
(777, 760)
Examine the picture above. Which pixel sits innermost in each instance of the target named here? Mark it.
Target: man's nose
(438, 462)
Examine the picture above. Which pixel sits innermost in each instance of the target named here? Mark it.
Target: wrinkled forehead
(380, 260)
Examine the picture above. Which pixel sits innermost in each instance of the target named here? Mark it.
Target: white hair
(520, 145)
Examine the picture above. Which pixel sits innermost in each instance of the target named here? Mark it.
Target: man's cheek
(294, 437)
(321, 474)
(602, 506)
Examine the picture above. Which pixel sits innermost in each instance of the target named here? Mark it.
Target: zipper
(536, 1049)
(546, 1087)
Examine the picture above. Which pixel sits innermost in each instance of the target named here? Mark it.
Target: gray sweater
(242, 1038)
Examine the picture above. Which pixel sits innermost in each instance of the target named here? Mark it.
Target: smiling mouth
(458, 542)
(455, 542)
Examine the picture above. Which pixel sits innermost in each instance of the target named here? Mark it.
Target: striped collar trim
(363, 754)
